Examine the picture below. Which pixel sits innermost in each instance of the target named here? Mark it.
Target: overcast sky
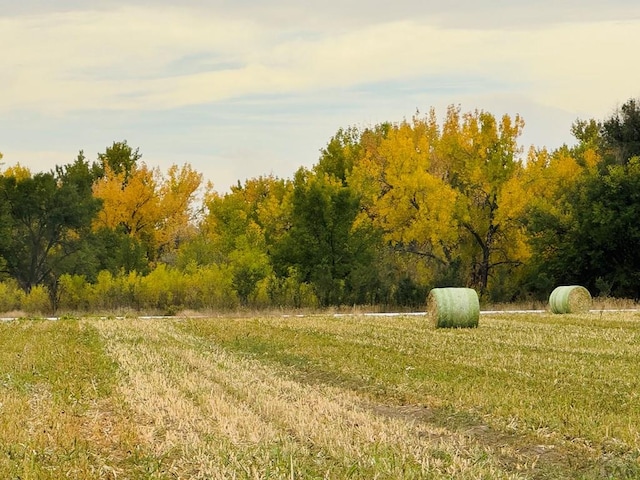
(245, 88)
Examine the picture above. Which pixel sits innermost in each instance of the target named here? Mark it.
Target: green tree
(238, 229)
(120, 159)
(621, 134)
(582, 224)
(587, 132)
(115, 250)
(324, 244)
(341, 153)
(599, 245)
(49, 217)
(249, 264)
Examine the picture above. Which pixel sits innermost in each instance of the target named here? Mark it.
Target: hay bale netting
(570, 299)
(454, 307)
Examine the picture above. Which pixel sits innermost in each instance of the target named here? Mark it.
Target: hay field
(521, 396)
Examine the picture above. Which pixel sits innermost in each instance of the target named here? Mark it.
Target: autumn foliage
(387, 213)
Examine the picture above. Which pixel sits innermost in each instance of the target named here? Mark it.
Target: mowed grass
(558, 396)
(60, 413)
(522, 396)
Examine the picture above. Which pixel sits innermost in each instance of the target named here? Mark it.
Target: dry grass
(59, 417)
(609, 303)
(14, 314)
(599, 303)
(212, 414)
(527, 396)
(561, 391)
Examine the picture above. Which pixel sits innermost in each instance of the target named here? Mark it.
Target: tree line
(387, 213)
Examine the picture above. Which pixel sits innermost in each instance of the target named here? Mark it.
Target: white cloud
(584, 67)
(91, 59)
(120, 59)
(134, 57)
(36, 160)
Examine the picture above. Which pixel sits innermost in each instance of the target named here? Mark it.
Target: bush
(37, 301)
(11, 295)
(290, 291)
(76, 294)
(210, 288)
(115, 292)
(163, 289)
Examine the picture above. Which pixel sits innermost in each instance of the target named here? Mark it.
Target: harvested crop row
(213, 414)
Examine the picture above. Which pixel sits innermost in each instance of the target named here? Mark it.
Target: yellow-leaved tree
(480, 155)
(440, 192)
(177, 192)
(540, 197)
(404, 193)
(129, 203)
(17, 171)
(238, 227)
(155, 209)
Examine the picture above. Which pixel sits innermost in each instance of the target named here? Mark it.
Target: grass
(523, 396)
(60, 413)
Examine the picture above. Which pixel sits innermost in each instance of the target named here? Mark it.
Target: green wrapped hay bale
(453, 307)
(570, 299)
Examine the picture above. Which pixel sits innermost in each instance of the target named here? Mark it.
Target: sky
(245, 88)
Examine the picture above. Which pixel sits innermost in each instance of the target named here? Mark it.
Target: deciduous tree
(481, 154)
(119, 158)
(440, 192)
(582, 217)
(239, 229)
(621, 133)
(49, 215)
(324, 244)
(154, 210)
(402, 192)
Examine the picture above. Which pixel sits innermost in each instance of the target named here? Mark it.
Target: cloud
(86, 59)
(161, 58)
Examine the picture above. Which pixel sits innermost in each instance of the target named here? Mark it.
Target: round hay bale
(453, 307)
(570, 299)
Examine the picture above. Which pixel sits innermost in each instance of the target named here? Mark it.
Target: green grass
(60, 414)
(521, 396)
(528, 380)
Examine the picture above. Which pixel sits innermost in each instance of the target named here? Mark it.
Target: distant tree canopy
(387, 213)
(324, 244)
(621, 134)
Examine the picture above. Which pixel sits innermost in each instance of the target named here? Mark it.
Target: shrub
(210, 288)
(37, 301)
(11, 295)
(163, 289)
(75, 293)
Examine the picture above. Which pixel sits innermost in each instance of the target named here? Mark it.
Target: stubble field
(521, 396)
